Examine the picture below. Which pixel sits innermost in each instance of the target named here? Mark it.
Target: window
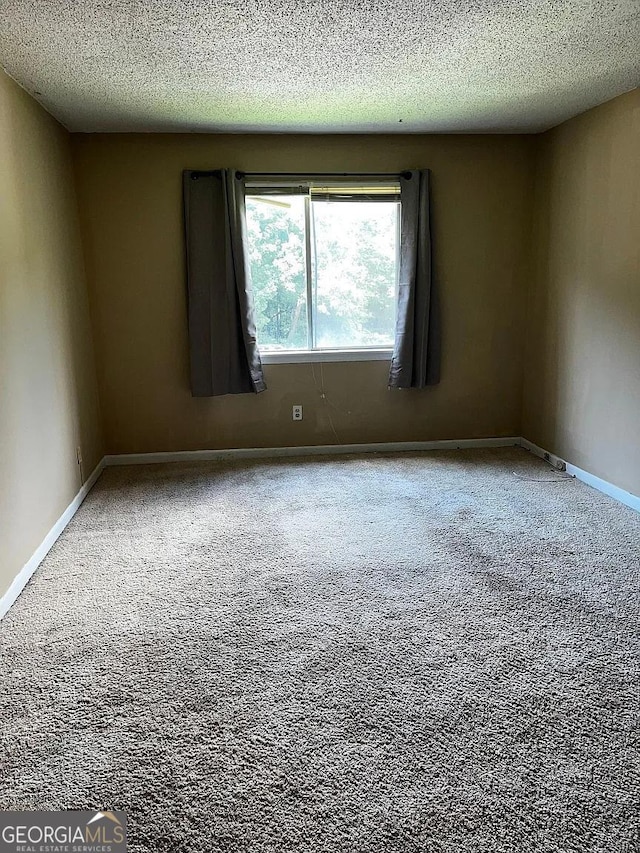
(324, 266)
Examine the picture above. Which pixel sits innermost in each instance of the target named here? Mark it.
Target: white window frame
(304, 356)
(313, 354)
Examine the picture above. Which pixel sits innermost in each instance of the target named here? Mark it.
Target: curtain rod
(303, 175)
(306, 175)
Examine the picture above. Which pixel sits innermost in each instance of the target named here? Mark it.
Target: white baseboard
(615, 492)
(551, 458)
(29, 568)
(21, 579)
(23, 576)
(306, 450)
(626, 498)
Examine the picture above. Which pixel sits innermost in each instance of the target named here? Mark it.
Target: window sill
(315, 356)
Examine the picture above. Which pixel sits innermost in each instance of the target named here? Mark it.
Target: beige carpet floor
(417, 653)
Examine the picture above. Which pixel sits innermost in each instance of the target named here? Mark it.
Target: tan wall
(130, 196)
(48, 398)
(582, 378)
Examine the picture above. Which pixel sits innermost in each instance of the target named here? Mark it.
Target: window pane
(275, 227)
(355, 273)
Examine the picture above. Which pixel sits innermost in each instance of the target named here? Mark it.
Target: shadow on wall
(48, 397)
(582, 395)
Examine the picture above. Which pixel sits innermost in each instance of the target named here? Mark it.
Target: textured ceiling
(320, 65)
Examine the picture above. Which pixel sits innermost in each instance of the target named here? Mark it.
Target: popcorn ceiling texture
(320, 65)
(419, 653)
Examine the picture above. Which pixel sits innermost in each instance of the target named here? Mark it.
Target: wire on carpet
(543, 479)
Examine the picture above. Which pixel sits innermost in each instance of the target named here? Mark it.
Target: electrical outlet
(297, 413)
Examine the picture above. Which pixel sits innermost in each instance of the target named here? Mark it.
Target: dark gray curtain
(222, 332)
(416, 353)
